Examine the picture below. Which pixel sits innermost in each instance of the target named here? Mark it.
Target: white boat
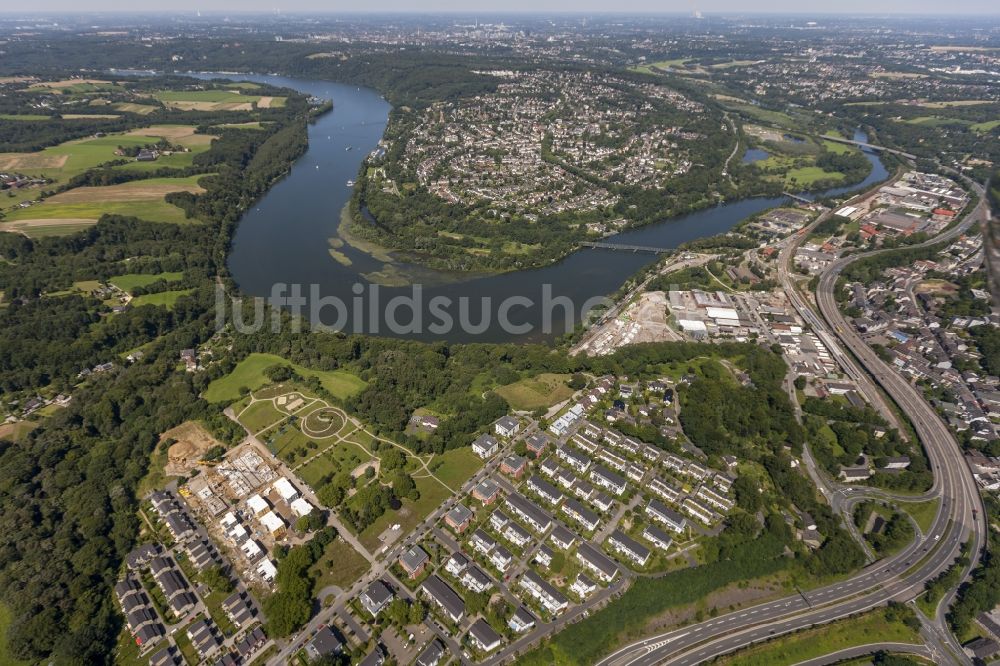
(350, 183)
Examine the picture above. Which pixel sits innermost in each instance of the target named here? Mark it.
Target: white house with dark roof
(667, 516)
(597, 562)
(483, 636)
(545, 490)
(506, 426)
(485, 446)
(551, 599)
(657, 537)
(562, 538)
(608, 480)
(629, 547)
(577, 461)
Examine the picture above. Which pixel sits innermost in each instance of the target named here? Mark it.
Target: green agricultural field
(139, 109)
(165, 299)
(44, 231)
(203, 96)
(26, 116)
(144, 199)
(132, 280)
(250, 373)
(936, 121)
(543, 390)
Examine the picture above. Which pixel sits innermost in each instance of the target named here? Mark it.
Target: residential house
(445, 598)
(376, 597)
(485, 446)
(414, 561)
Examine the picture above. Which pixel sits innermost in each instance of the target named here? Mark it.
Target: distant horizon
(717, 8)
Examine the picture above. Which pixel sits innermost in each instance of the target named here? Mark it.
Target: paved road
(898, 578)
(864, 650)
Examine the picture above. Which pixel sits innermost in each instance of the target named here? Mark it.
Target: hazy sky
(467, 6)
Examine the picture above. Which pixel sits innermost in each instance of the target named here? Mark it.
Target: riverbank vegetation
(68, 500)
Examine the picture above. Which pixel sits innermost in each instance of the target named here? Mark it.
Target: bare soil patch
(20, 225)
(192, 443)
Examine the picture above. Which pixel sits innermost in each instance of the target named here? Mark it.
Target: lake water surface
(285, 239)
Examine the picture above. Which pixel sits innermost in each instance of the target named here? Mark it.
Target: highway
(900, 577)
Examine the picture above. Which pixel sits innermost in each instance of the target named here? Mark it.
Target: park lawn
(339, 565)
(456, 466)
(288, 439)
(543, 390)
(922, 512)
(165, 299)
(432, 495)
(130, 281)
(313, 471)
(804, 645)
(260, 415)
(805, 176)
(249, 373)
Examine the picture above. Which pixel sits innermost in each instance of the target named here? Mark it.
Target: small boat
(350, 183)
(349, 148)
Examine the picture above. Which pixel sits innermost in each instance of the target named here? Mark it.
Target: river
(285, 240)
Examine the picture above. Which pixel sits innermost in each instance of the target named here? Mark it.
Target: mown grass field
(432, 495)
(165, 299)
(456, 466)
(132, 280)
(340, 565)
(543, 390)
(250, 373)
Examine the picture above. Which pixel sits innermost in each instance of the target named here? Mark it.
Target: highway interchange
(898, 578)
